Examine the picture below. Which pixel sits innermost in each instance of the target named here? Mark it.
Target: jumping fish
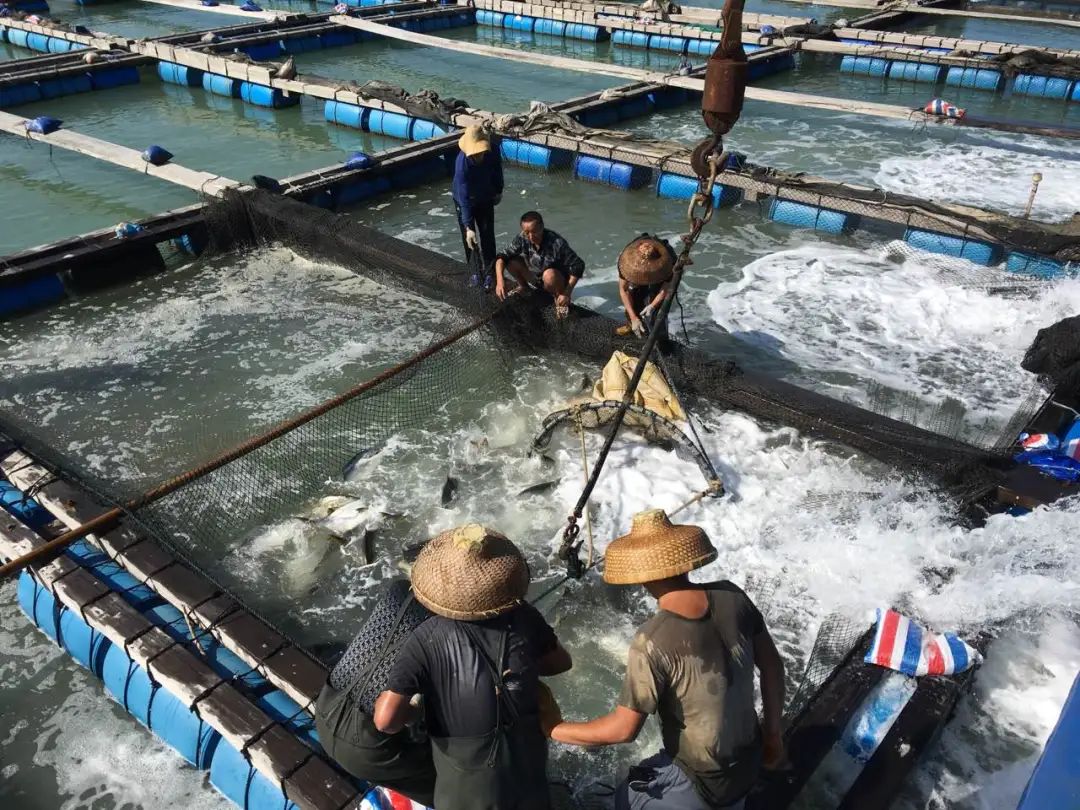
(540, 488)
(449, 490)
(353, 463)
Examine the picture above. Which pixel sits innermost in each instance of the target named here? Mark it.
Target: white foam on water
(102, 757)
(987, 176)
(905, 324)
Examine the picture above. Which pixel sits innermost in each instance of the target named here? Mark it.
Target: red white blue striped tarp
(903, 645)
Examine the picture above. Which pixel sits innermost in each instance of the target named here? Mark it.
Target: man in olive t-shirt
(692, 664)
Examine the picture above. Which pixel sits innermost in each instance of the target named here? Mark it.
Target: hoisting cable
(721, 104)
(703, 199)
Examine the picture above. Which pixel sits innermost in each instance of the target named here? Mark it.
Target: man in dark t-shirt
(692, 664)
(477, 664)
(539, 257)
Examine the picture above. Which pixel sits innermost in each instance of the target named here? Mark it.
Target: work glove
(471, 240)
(638, 328)
(648, 311)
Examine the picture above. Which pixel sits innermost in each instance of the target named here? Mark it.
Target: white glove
(638, 328)
(470, 239)
(645, 313)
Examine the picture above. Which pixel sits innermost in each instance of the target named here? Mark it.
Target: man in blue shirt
(539, 257)
(478, 188)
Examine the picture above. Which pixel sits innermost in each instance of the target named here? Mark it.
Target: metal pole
(1035, 180)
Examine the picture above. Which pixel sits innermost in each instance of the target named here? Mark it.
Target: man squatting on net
(692, 664)
(536, 257)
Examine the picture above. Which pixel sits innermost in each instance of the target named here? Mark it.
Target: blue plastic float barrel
(679, 187)
(348, 115)
(391, 124)
(17, 36)
(531, 154)
(667, 97)
(634, 107)
(659, 42)
(66, 86)
(27, 510)
(263, 51)
(864, 65)
(31, 294)
(221, 85)
(337, 39)
(704, 47)
(108, 78)
(39, 605)
(1040, 266)
(915, 71)
(57, 45)
(610, 172)
(554, 28)
(192, 244)
(300, 44)
(519, 22)
(970, 249)
(37, 42)
(979, 78)
(425, 171)
(239, 782)
(423, 129)
(158, 709)
(810, 216)
(589, 33)
(599, 117)
(180, 74)
(767, 67)
(263, 96)
(1042, 86)
(361, 190)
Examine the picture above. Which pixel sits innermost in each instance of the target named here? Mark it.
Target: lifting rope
(721, 104)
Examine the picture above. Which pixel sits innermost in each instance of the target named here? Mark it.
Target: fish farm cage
(181, 642)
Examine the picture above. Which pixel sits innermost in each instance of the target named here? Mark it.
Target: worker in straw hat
(645, 267)
(477, 189)
(693, 665)
(477, 665)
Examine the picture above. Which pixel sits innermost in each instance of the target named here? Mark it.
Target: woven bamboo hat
(656, 549)
(470, 573)
(646, 261)
(473, 141)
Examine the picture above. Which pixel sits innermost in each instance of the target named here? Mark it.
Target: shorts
(662, 786)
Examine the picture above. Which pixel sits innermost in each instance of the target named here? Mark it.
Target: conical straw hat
(646, 261)
(473, 141)
(470, 573)
(656, 549)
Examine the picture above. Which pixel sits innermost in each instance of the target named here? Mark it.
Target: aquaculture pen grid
(589, 154)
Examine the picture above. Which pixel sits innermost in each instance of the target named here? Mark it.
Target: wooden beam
(202, 182)
(224, 8)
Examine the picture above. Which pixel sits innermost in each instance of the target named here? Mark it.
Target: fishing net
(838, 639)
(1055, 356)
(221, 510)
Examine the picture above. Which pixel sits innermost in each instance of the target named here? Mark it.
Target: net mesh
(837, 639)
